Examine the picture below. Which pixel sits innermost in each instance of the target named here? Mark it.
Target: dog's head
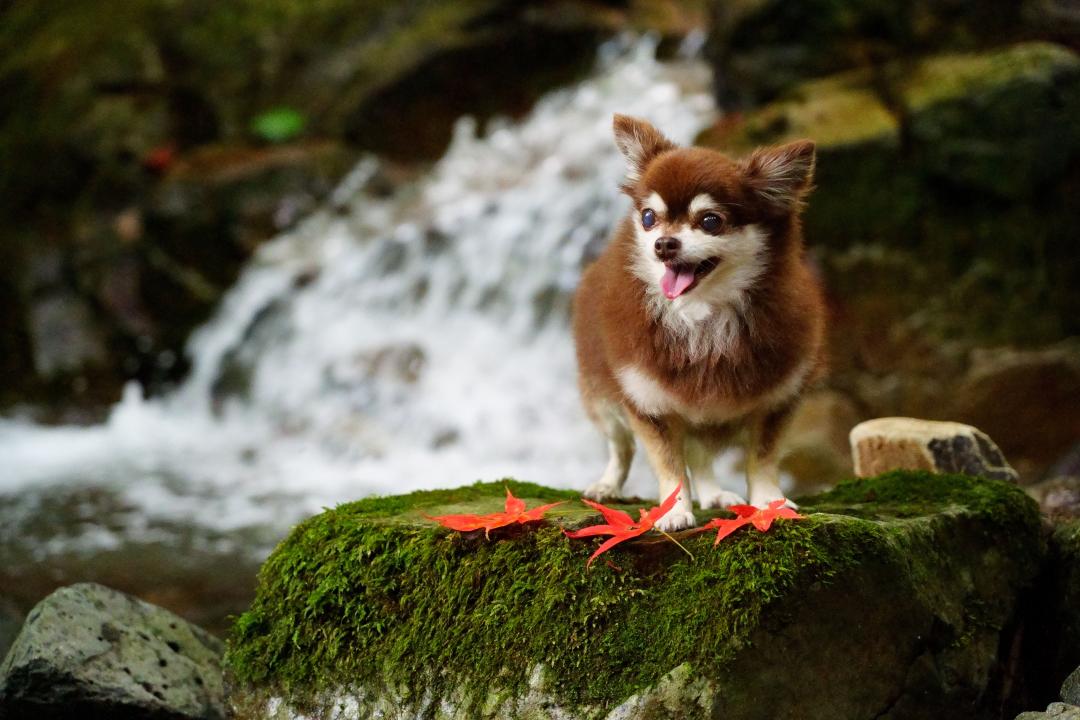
(707, 227)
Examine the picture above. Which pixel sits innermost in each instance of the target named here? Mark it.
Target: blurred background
(264, 256)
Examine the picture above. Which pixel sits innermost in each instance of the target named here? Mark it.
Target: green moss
(946, 77)
(945, 158)
(371, 595)
(907, 493)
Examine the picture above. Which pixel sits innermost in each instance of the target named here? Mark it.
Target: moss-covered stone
(953, 173)
(893, 593)
(763, 47)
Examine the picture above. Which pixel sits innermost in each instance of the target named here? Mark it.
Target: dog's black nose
(667, 247)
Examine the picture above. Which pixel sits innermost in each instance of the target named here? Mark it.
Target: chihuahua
(701, 323)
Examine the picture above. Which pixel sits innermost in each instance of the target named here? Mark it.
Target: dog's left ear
(781, 176)
(639, 142)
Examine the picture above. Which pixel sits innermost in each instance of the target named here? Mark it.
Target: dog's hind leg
(763, 457)
(620, 440)
(701, 451)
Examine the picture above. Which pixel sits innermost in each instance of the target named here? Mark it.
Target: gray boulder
(87, 651)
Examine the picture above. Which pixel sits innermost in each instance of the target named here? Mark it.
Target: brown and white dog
(701, 321)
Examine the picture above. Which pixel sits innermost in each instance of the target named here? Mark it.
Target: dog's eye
(648, 218)
(712, 223)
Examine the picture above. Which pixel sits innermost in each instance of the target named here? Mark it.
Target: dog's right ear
(639, 142)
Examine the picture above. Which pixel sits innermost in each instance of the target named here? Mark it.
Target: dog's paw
(601, 491)
(762, 502)
(722, 499)
(676, 520)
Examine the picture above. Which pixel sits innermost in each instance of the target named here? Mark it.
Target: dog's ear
(781, 176)
(639, 142)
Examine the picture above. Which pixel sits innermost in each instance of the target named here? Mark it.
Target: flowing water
(391, 342)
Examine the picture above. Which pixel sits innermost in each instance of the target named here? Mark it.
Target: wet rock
(1054, 711)
(901, 616)
(1070, 689)
(87, 651)
(895, 443)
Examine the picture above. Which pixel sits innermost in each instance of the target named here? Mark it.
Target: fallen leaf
(761, 518)
(514, 512)
(621, 526)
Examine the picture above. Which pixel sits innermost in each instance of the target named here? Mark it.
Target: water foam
(392, 343)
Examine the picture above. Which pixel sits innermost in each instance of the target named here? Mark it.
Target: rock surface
(897, 443)
(892, 598)
(1070, 689)
(1054, 711)
(932, 189)
(763, 47)
(90, 652)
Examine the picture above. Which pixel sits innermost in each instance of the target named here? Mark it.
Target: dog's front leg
(763, 456)
(664, 439)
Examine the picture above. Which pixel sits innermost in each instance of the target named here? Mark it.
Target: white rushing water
(391, 343)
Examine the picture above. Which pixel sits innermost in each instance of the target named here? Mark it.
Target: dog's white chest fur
(651, 398)
(647, 394)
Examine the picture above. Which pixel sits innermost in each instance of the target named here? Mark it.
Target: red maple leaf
(620, 525)
(514, 512)
(160, 158)
(761, 518)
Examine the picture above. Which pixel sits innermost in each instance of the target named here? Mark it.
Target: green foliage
(95, 82)
(370, 595)
(278, 125)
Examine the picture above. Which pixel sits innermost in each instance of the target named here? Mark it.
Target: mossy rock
(761, 48)
(966, 163)
(893, 595)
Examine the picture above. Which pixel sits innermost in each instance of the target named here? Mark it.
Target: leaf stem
(677, 543)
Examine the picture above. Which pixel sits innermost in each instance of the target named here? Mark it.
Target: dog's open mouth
(681, 278)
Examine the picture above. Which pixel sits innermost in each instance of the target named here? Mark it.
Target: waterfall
(390, 342)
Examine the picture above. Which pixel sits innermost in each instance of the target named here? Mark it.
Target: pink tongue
(676, 280)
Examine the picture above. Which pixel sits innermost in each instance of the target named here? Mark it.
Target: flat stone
(87, 651)
(898, 443)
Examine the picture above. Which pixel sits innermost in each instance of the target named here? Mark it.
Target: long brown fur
(783, 318)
